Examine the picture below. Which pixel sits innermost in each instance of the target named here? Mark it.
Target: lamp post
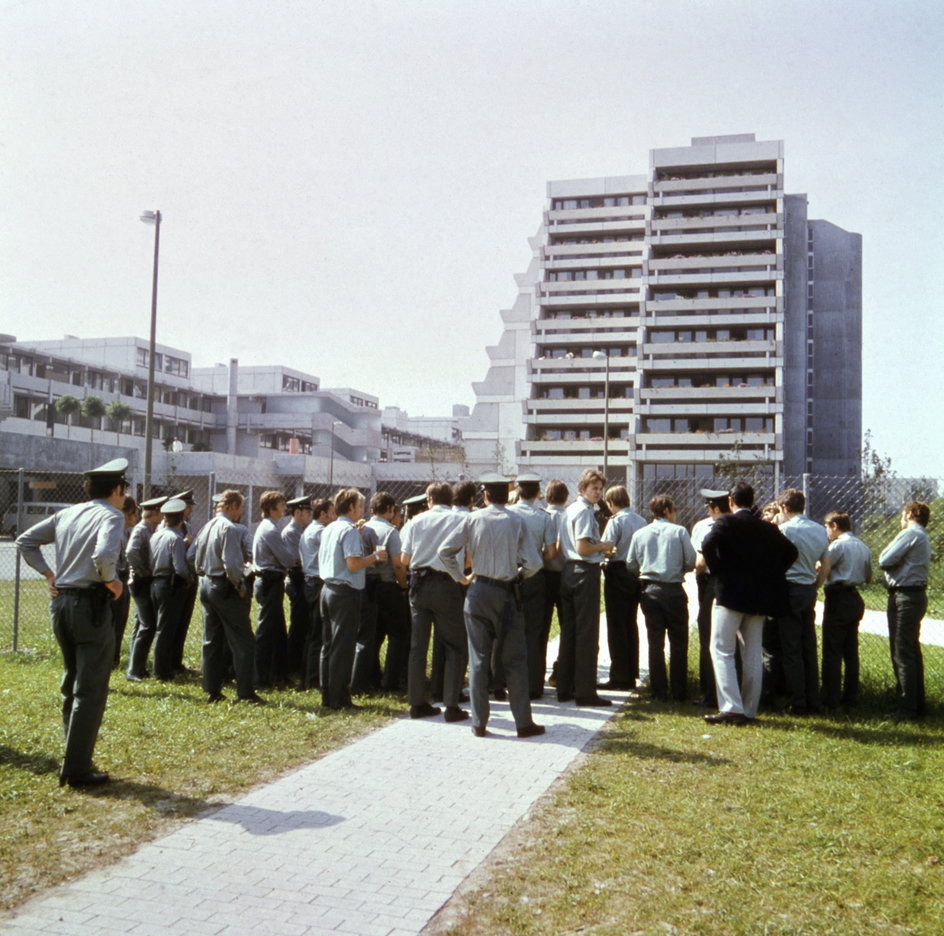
(606, 411)
(331, 469)
(151, 217)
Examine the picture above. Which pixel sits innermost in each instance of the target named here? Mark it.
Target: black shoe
(615, 686)
(92, 778)
(565, 697)
(593, 701)
(479, 731)
(463, 696)
(254, 699)
(423, 711)
(531, 731)
(215, 697)
(131, 677)
(728, 718)
(537, 694)
(453, 713)
(500, 695)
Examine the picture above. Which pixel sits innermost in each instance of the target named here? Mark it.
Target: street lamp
(606, 411)
(151, 217)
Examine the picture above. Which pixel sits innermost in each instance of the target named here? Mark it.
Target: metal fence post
(16, 574)
(211, 491)
(806, 486)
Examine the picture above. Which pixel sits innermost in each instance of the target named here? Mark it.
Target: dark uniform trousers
(167, 596)
(144, 627)
(533, 595)
(621, 599)
(120, 608)
(906, 607)
(665, 608)
(436, 598)
(299, 622)
(491, 615)
(393, 622)
(187, 603)
(579, 630)
(271, 637)
(340, 619)
(82, 624)
(365, 675)
(843, 608)
(797, 633)
(226, 625)
(311, 674)
(552, 600)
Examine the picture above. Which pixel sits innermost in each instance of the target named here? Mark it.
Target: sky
(348, 187)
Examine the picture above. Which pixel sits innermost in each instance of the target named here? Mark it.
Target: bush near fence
(874, 505)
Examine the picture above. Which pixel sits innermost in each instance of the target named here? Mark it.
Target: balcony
(657, 395)
(699, 362)
(588, 329)
(772, 180)
(703, 349)
(662, 306)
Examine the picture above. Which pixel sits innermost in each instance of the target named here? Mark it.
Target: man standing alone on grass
(747, 558)
(87, 540)
(906, 561)
(850, 565)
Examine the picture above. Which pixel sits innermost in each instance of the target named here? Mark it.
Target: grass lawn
(173, 755)
(826, 825)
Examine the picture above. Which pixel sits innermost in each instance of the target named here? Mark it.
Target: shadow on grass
(36, 763)
(623, 742)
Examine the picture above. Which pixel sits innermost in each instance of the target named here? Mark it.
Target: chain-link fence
(874, 504)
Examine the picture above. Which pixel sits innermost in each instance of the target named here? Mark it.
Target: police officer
(220, 561)
(169, 585)
(87, 540)
(189, 589)
(309, 548)
(496, 542)
(300, 510)
(139, 561)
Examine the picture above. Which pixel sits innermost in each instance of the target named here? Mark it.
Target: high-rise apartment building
(675, 320)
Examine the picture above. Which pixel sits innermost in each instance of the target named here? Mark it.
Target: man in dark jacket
(749, 559)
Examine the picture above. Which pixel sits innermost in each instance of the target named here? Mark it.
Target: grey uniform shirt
(269, 552)
(291, 537)
(308, 548)
(380, 532)
(661, 552)
(220, 552)
(579, 523)
(138, 550)
(620, 530)
(339, 542)
(496, 542)
(169, 553)
(850, 561)
(540, 529)
(556, 513)
(906, 559)
(700, 530)
(426, 532)
(812, 544)
(87, 538)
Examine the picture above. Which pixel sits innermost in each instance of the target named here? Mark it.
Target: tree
(67, 406)
(118, 412)
(93, 408)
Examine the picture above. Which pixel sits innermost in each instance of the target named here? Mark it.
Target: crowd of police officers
(481, 583)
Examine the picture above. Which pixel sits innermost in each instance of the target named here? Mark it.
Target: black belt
(507, 584)
(840, 586)
(582, 564)
(907, 588)
(270, 574)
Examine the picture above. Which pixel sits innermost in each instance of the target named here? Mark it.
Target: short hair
(320, 508)
(590, 476)
(381, 502)
(618, 496)
(440, 493)
(772, 510)
(838, 519)
(742, 494)
(718, 503)
(497, 493)
(793, 500)
(101, 488)
(918, 510)
(661, 505)
(269, 501)
(463, 493)
(130, 505)
(556, 492)
(174, 519)
(529, 489)
(346, 499)
(231, 497)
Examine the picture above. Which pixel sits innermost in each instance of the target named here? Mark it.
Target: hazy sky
(349, 187)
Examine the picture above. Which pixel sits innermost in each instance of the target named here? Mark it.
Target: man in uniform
(189, 596)
(716, 504)
(906, 561)
(309, 547)
(139, 561)
(342, 563)
(541, 543)
(271, 560)
(584, 552)
(169, 585)
(797, 628)
(621, 593)
(435, 599)
(556, 495)
(661, 554)
(850, 565)
(497, 547)
(122, 605)
(87, 540)
(300, 617)
(220, 560)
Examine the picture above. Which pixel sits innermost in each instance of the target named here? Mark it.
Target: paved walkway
(370, 840)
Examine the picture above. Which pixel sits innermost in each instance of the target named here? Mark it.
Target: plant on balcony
(93, 408)
(67, 406)
(117, 412)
